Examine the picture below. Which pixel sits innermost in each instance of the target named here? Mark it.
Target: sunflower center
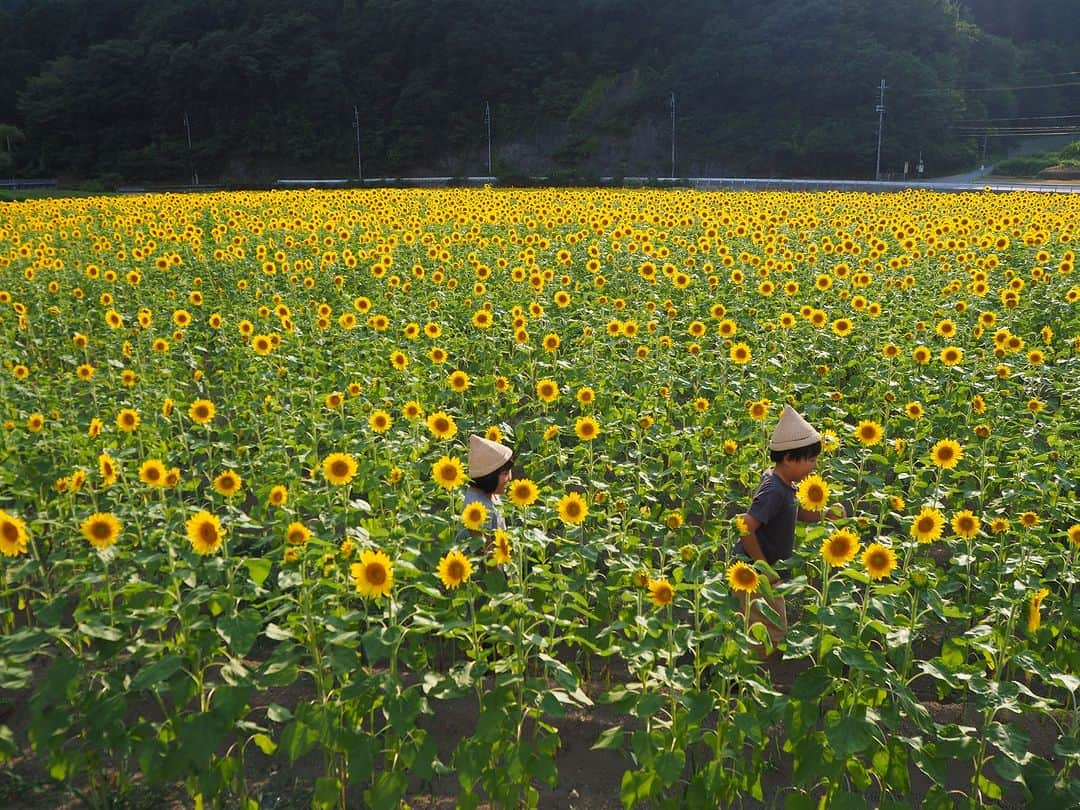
(208, 534)
(375, 574)
(100, 530)
(926, 525)
(340, 468)
(455, 570)
(10, 531)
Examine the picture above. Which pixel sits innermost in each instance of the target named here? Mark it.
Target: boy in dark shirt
(770, 521)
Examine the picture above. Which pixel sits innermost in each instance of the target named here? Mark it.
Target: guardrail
(15, 183)
(707, 183)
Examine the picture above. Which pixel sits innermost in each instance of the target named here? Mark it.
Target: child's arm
(750, 542)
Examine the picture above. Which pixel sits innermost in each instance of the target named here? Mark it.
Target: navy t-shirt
(775, 507)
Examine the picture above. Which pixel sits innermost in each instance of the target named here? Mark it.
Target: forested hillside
(785, 87)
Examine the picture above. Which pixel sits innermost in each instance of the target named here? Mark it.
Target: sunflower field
(234, 437)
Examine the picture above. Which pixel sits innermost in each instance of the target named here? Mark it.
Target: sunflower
(946, 454)
(523, 492)
(85, 371)
(740, 354)
(279, 494)
(228, 483)
(868, 432)
(297, 534)
(474, 516)
(547, 390)
(127, 419)
(412, 411)
(813, 493)
(551, 342)
(660, 592)
(261, 345)
(965, 524)
(701, 405)
(914, 410)
(999, 525)
(101, 529)
(587, 428)
(441, 425)
(458, 381)
(572, 509)
(373, 575)
(586, 395)
(1029, 520)
(454, 569)
(380, 421)
(501, 552)
(1073, 534)
(13, 535)
(334, 400)
(448, 472)
(152, 473)
(1034, 617)
(927, 525)
(674, 520)
(339, 468)
(108, 470)
(840, 547)
(879, 561)
(741, 577)
(951, 355)
(202, 411)
(921, 355)
(758, 409)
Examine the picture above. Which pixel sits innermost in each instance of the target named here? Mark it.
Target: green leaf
(100, 631)
(266, 745)
(258, 569)
(636, 787)
(611, 740)
(669, 766)
(297, 740)
(812, 684)
(327, 793)
(850, 736)
(1012, 741)
(160, 670)
(240, 631)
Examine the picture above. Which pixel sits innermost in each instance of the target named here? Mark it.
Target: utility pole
(191, 166)
(673, 136)
(356, 126)
(880, 109)
(487, 120)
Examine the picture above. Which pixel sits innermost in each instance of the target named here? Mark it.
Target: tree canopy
(761, 87)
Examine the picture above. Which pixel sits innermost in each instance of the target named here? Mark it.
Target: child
(491, 466)
(770, 520)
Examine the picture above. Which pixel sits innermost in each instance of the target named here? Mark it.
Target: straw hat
(792, 432)
(486, 456)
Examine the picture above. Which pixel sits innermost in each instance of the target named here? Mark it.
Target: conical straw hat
(792, 432)
(486, 456)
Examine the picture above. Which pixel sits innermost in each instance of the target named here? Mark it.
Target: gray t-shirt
(493, 504)
(775, 507)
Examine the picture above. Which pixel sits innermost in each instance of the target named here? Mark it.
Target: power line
(1022, 118)
(994, 89)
